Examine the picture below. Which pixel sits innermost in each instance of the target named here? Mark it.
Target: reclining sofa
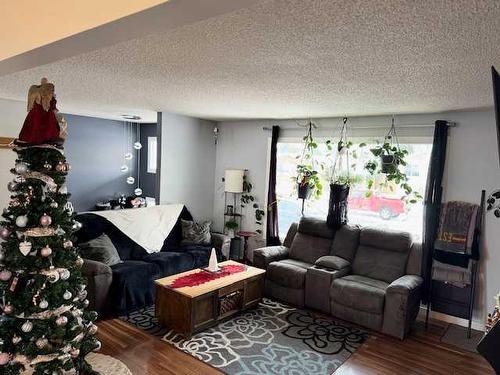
(368, 276)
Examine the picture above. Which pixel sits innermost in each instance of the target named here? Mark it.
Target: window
(152, 154)
(383, 209)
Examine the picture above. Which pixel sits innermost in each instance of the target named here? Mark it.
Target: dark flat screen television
(496, 98)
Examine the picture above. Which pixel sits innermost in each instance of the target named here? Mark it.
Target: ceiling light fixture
(131, 117)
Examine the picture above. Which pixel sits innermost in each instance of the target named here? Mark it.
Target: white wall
(12, 114)
(188, 164)
(472, 164)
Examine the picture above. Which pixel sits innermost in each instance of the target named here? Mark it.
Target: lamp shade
(233, 180)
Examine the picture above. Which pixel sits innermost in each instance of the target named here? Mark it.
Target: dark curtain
(272, 205)
(432, 199)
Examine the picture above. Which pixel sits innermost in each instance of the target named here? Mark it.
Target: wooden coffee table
(191, 309)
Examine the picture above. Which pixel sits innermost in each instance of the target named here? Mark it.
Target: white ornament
(130, 180)
(65, 274)
(43, 304)
(63, 189)
(124, 168)
(25, 247)
(137, 145)
(54, 205)
(79, 261)
(86, 303)
(138, 191)
(77, 225)
(21, 167)
(67, 295)
(7, 309)
(128, 156)
(27, 326)
(69, 207)
(22, 221)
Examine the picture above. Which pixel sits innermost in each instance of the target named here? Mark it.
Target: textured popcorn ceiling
(292, 59)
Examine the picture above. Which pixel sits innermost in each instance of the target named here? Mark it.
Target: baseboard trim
(477, 325)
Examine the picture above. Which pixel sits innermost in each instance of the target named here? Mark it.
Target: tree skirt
(203, 276)
(271, 339)
(103, 364)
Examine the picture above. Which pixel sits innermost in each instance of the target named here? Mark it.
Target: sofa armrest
(402, 303)
(265, 255)
(222, 242)
(99, 277)
(332, 262)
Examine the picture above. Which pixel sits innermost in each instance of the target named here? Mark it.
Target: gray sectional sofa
(367, 276)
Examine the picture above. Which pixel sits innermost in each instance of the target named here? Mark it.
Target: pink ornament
(93, 329)
(46, 251)
(5, 358)
(61, 321)
(67, 244)
(45, 220)
(7, 309)
(60, 167)
(4, 233)
(5, 275)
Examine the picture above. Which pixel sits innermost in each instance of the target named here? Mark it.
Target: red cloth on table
(203, 277)
(40, 126)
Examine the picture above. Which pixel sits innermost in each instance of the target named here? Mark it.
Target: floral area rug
(272, 339)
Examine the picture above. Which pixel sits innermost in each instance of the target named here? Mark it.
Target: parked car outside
(386, 206)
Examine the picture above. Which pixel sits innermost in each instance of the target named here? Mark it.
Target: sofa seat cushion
(171, 263)
(289, 273)
(360, 293)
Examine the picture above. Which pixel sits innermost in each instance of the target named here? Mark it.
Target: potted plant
(231, 226)
(389, 158)
(307, 178)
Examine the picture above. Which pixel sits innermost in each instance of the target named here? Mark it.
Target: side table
(246, 235)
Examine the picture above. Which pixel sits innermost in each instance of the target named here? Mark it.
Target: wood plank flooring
(421, 353)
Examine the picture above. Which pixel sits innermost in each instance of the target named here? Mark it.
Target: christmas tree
(44, 325)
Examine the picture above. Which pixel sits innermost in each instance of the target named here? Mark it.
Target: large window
(383, 209)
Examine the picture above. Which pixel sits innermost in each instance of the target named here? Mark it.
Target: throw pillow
(195, 233)
(100, 249)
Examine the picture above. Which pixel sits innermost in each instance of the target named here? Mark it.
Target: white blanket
(148, 226)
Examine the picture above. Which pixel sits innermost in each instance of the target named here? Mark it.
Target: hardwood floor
(421, 353)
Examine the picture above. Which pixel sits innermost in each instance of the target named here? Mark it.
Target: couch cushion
(171, 263)
(100, 249)
(359, 293)
(194, 233)
(346, 242)
(332, 262)
(315, 227)
(289, 273)
(309, 248)
(380, 264)
(385, 239)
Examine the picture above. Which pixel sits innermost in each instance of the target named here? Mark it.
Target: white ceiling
(291, 59)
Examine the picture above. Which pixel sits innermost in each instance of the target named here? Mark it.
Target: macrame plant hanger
(303, 190)
(339, 188)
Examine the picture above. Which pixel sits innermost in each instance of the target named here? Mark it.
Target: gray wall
(188, 164)
(147, 180)
(95, 149)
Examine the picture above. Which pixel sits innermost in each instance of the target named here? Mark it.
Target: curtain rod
(450, 124)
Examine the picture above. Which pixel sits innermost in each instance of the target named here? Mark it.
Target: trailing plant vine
(248, 198)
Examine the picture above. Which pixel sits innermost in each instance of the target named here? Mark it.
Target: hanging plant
(247, 198)
(389, 158)
(307, 178)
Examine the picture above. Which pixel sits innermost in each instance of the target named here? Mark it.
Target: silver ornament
(22, 221)
(27, 326)
(86, 303)
(21, 168)
(77, 225)
(12, 186)
(67, 295)
(97, 346)
(43, 304)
